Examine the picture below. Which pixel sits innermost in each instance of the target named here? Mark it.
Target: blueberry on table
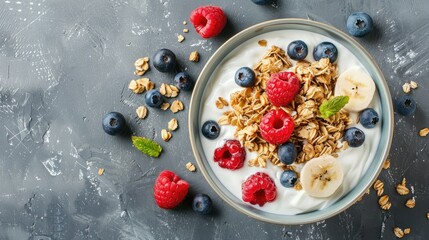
(354, 137)
(369, 118)
(287, 153)
(113, 123)
(325, 50)
(183, 81)
(359, 24)
(297, 50)
(405, 105)
(164, 60)
(262, 2)
(245, 77)
(211, 129)
(153, 98)
(288, 178)
(202, 204)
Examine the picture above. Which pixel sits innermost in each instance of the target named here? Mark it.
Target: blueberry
(202, 204)
(369, 118)
(164, 60)
(287, 153)
(245, 77)
(325, 50)
(297, 50)
(153, 98)
(263, 2)
(405, 105)
(288, 178)
(183, 81)
(211, 129)
(359, 24)
(113, 123)
(354, 136)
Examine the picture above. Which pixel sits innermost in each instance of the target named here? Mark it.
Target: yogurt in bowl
(291, 205)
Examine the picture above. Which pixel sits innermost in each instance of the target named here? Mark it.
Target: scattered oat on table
(424, 132)
(180, 38)
(176, 106)
(383, 200)
(140, 85)
(406, 88)
(185, 30)
(165, 106)
(173, 124)
(141, 65)
(407, 231)
(184, 22)
(411, 203)
(413, 85)
(141, 112)
(401, 189)
(190, 167)
(168, 90)
(194, 56)
(379, 187)
(165, 135)
(427, 215)
(398, 232)
(386, 164)
(100, 171)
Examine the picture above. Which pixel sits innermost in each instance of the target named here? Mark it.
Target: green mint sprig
(332, 106)
(146, 146)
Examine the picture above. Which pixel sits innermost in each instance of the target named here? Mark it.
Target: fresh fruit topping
(153, 98)
(405, 105)
(282, 88)
(288, 178)
(325, 50)
(259, 189)
(169, 190)
(231, 155)
(263, 2)
(208, 21)
(369, 118)
(164, 60)
(287, 153)
(210, 129)
(202, 204)
(113, 123)
(245, 77)
(332, 106)
(276, 126)
(358, 86)
(183, 81)
(354, 137)
(297, 50)
(359, 24)
(146, 146)
(322, 176)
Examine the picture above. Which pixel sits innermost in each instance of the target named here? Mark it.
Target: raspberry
(231, 155)
(276, 126)
(282, 88)
(169, 190)
(259, 189)
(208, 20)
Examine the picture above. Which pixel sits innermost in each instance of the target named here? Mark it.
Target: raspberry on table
(231, 155)
(259, 189)
(282, 88)
(208, 21)
(169, 190)
(276, 126)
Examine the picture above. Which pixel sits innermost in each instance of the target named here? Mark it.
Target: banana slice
(358, 85)
(322, 176)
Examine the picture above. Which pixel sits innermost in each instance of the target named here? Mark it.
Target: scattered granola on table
(194, 56)
(141, 65)
(401, 189)
(191, 167)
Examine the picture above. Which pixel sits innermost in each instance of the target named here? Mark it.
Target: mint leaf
(332, 106)
(147, 146)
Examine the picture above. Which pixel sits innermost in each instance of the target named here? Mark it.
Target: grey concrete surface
(64, 64)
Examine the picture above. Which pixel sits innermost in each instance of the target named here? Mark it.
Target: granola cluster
(313, 135)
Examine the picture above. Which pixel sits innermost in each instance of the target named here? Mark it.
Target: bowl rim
(194, 108)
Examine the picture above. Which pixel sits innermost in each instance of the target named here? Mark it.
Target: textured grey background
(64, 64)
